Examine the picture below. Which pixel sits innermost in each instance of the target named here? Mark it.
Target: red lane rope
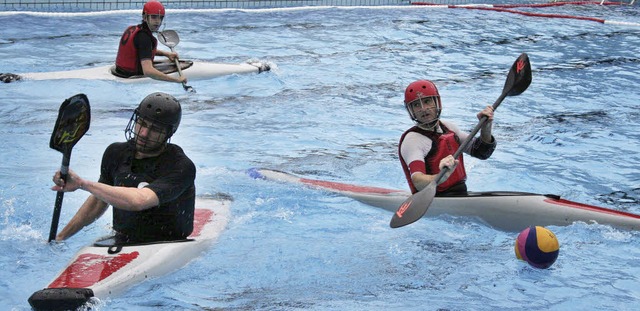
(524, 5)
(599, 20)
(544, 5)
(506, 8)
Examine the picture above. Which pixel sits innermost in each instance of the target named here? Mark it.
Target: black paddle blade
(519, 77)
(72, 123)
(414, 207)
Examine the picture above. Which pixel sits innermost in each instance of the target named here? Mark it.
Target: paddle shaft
(174, 39)
(64, 171)
(184, 84)
(472, 134)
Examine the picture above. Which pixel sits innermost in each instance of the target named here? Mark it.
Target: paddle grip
(55, 219)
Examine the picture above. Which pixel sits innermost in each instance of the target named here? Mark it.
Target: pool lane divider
(508, 8)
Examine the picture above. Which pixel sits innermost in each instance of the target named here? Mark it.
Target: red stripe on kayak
(591, 208)
(347, 187)
(89, 269)
(200, 219)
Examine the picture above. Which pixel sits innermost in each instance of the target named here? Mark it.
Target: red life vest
(442, 145)
(127, 59)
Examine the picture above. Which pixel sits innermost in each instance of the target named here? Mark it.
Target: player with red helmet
(429, 146)
(138, 47)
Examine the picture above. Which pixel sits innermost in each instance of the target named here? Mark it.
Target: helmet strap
(429, 126)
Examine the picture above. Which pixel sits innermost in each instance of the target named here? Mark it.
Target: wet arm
(152, 72)
(421, 180)
(126, 198)
(170, 55)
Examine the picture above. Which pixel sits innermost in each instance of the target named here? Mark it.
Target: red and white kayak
(503, 210)
(193, 70)
(106, 271)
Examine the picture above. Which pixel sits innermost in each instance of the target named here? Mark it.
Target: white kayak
(193, 70)
(103, 270)
(503, 210)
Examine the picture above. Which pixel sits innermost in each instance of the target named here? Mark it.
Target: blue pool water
(331, 108)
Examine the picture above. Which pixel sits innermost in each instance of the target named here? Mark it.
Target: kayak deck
(503, 210)
(105, 268)
(193, 70)
(164, 67)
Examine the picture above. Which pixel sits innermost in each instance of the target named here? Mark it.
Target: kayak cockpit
(115, 243)
(164, 67)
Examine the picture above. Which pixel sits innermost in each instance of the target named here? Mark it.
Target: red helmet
(153, 8)
(418, 90)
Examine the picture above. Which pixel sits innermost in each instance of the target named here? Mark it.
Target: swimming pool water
(331, 108)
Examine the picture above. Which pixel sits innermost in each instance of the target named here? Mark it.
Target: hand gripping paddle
(170, 38)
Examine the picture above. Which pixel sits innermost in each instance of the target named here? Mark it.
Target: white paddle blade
(169, 38)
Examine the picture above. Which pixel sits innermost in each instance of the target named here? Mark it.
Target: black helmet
(160, 108)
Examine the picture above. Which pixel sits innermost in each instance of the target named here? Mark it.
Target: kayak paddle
(416, 206)
(170, 38)
(73, 121)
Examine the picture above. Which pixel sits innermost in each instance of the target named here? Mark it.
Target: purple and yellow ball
(538, 246)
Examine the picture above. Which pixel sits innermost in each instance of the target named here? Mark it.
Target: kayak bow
(105, 269)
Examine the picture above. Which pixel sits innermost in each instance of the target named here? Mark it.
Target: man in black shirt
(148, 181)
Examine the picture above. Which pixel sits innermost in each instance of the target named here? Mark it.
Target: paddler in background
(148, 181)
(138, 47)
(429, 146)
